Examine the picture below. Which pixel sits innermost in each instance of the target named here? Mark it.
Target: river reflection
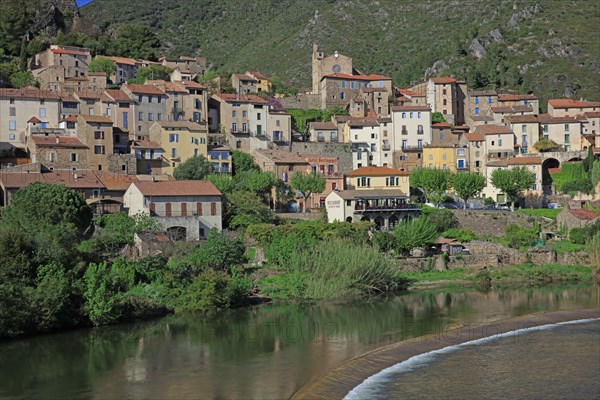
(268, 352)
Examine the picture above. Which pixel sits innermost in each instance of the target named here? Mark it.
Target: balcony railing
(385, 147)
(413, 147)
(361, 208)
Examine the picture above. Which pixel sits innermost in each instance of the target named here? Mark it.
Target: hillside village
(118, 143)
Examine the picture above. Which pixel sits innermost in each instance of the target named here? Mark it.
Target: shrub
(383, 241)
(519, 237)
(488, 201)
(414, 233)
(460, 234)
(262, 233)
(581, 235)
(443, 219)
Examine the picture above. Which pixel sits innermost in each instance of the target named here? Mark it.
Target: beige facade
(323, 65)
(571, 108)
(565, 131)
(375, 178)
(323, 132)
(243, 84)
(445, 95)
(411, 127)
(180, 140)
(189, 209)
(499, 140)
(17, 107)
(337, 90)
(477, 152)
(125, 69)
(532, 164)
(512, 100)
(527, 131)
(193, 66)
(195, 106)
(96, 132)
(263, 84)
(220, 159)
(118, 106)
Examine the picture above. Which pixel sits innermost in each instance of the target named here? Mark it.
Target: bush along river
(278, 350)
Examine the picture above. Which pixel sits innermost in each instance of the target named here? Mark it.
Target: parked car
(502, 206)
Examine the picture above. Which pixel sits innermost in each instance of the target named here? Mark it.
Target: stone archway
(379, 223)
(349, 219)
(547, 166)
(393, 221)
(365, 219)
(176, 233)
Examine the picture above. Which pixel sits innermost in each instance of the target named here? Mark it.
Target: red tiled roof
(516, 97)
(474, 137)
(34, 120)
(441, 125)
(88, 95)
(443, 80)
(80, 179)
(522, 119)
(96, 119)
(123, 60)
(283, 156)
(258, 75)
(118, 95)
(323, 125)
(409, 93)
(512, 109)
(58, 141)
(362, 122)
(493, 129)
(70, 118)
(411, 108)
(116, 181)
(144, 89)
(548, 119)
(72, 52)
(594, 114)
(516, 161)
(372, 77)
(583, 213)
(568, 103)
(189, 125)
(240, 98)
(167, 86)
(28, 93)
(177, 188)
(483, 93)
(244, 77)
(146, 144)
(193, 85)
(377, 171)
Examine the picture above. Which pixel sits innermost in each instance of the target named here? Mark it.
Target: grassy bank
(517, 275)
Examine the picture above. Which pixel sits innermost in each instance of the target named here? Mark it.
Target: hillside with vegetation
(550, 48)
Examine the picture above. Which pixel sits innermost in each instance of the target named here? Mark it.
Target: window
(173, 138)
(244, 127)
(278, 123)
(523, 128)
(545, 128)
(352, 85)
(419, 114)
(445, 102)
(444, 91)
(42, 112)
(373, 147)
(411, 115)
(567, 138)
(460, 152)
(258, 116)
(420, 143)
(12, 125)
(173, 153)
(167, 209)
(477, 154)
(476, 100)
(234, 114)
(419, 129)
(444, 156)
(490, 100)
(98, 135)
(341, 95)
(430, 157)
(476, 110)
(566, 127)
(73, 157)
(140, 116)
(343, 84)
(499, 142)
(150, 117)
(52, 156)
(213, 209)
(359, 155)
(98, 149)
(373, 136)
(11, 136)
(244, 114)
(404, 143)
(493, 143)
(403, 115)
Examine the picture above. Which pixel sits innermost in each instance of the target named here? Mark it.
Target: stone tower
(324, 65)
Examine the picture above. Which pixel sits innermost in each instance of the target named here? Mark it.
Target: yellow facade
(180, 142)
(378, 178)
(439, 158)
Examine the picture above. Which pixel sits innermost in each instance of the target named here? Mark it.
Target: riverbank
(337, 383)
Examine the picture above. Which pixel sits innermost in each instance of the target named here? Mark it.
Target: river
(267, 352)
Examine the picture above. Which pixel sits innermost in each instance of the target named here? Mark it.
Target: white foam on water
(371, 387)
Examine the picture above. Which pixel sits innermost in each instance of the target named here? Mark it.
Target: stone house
(150, 106)
(576, 218)
(571, 108)
(527, 131)
(263, 84)
(411, 127)
(499, 140)
(125, 69)
(323, 132)
(195, 105)
(533, 196)
(445, 95)
(220, 158)
(508, 100)
(480, 103)
(53, 66)
(192, 66)
(187, 210)
(56, 152)
(118, 106)
(322, 64)
(243, 84)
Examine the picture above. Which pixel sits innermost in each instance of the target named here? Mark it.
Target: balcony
(320, 139)
(334, 139)
(412, 148)
(385, 147)
(462, 166)
(389, 207)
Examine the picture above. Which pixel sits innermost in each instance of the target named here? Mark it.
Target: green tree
(103, 64)
(468, 185)
(588, 162)
(513, 182)
(242, 162)
(595, 173)
(222, 250)
(243, 208)
(60, 221)
(520, 237)
(255, 181)
(437, 117)
(135, 41)
(413, 233)
(434, 183)
(22, 79)
(152, 72)
(223, 182)
(307, 184)
(195, 168)
(441, 218)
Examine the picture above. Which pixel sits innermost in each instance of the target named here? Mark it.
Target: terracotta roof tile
(116, 181)
(522, 119)
(118, 95)
(411, 108)
(80, 179)
(515, 97)
(240, 98)
(483, 93)
(72, 52)
(58, 141)
(28, 93)
(244, 77)
(193, 85)
(189, 125)
(123, 60)
(258, 75)
(583, 213)
(34, 120)
(323, 125)
(443, 80)
(568, 103)
(474, 137)
(283, 156)
(493, 129)
(144, 89)
(96, 119)
(377, 171)
(177, 188)
(356, 122)
(516, 161)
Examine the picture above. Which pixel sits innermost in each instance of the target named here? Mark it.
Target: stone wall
(342, 151)
(117, 161)
(302, 102)
(493, 223)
